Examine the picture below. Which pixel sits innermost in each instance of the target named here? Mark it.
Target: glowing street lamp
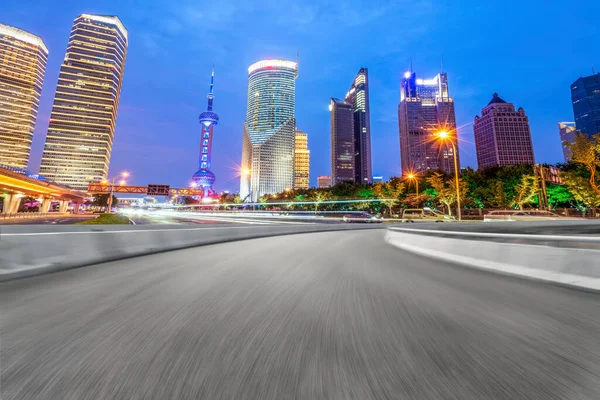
(122, 182)
(413, 178)
(444, 136)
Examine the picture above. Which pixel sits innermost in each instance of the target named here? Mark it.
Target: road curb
(554, 265)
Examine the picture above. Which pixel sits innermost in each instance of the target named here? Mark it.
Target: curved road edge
(571, 267)
(24, 255)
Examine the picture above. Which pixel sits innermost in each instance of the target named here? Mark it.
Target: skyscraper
(567, 135)
(82, 124)
(301, 161)
(270, 129)
(425, 109)
(342, 141)
(502, 135)
(204, 177)
(585, 95)
(358, 97)
(23, 59)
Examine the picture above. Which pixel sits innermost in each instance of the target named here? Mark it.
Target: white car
(525, 215)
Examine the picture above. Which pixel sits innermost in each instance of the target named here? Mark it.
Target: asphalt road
(338, 315)
(69, 220)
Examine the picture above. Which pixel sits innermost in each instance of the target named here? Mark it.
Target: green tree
(320, 196)
(586, 151)
(558, 195)
(446, 189)
(101, 200)
(581, 189)
(526, 190)
(388, 193)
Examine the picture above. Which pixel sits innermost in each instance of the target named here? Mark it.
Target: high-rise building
(204, 177)
(426, 109)
(358, 97)
(341, 116)
(585, 95)
(270, 129)
(502, 135)
(567, 132)
(23, 59)
(301, 161)
(82, 124)
(323, 182)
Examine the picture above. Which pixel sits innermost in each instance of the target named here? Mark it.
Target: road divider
(24, 254)
(567, 260)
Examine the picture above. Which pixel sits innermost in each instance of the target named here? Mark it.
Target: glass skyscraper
(358, 97)
(269, 130)
(343, 157)
(585, 95)
(23, 59)
(425, 109)
(82, 124)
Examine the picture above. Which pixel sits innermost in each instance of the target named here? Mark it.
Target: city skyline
(153, 109)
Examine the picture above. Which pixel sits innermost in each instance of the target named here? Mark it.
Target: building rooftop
(496, 99)
(23, 36)
(108, 19)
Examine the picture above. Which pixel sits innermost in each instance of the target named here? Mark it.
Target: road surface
(337, 315)
(62, 220)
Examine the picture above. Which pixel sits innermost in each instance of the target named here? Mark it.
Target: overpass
(17, 183)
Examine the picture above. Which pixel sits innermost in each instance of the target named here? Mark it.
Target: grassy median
(107, 219)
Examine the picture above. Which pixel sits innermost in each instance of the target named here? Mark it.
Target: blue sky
(528, 52)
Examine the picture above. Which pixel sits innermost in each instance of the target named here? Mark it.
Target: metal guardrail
(30, 215)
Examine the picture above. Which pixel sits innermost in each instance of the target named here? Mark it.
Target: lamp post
(413, 177)
(247, 172)
(111, 188)
(445, 136)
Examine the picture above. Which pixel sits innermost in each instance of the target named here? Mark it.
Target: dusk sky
(528, 52)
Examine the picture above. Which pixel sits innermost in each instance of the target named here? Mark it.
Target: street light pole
(454, 155)
(444, 135)
(111, 189)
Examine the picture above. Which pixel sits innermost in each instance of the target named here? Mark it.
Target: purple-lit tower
(204, 178)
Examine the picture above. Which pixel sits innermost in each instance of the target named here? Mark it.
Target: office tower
(358, 96)
(301, 161)
(342, 141)
(567, 132)
(323, 182)
(23, 59)
(82, 124)
(377, 179)
(426, 109)
(204, 177)
(585, 95)
(502, 135)
(270, 129)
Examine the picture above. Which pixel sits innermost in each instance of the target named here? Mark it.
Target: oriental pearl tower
(208, 119)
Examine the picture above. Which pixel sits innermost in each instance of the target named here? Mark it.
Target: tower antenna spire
(441, 64)
(411, 65)
(211, 95)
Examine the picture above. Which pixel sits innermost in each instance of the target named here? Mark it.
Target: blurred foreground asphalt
(336, 315)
